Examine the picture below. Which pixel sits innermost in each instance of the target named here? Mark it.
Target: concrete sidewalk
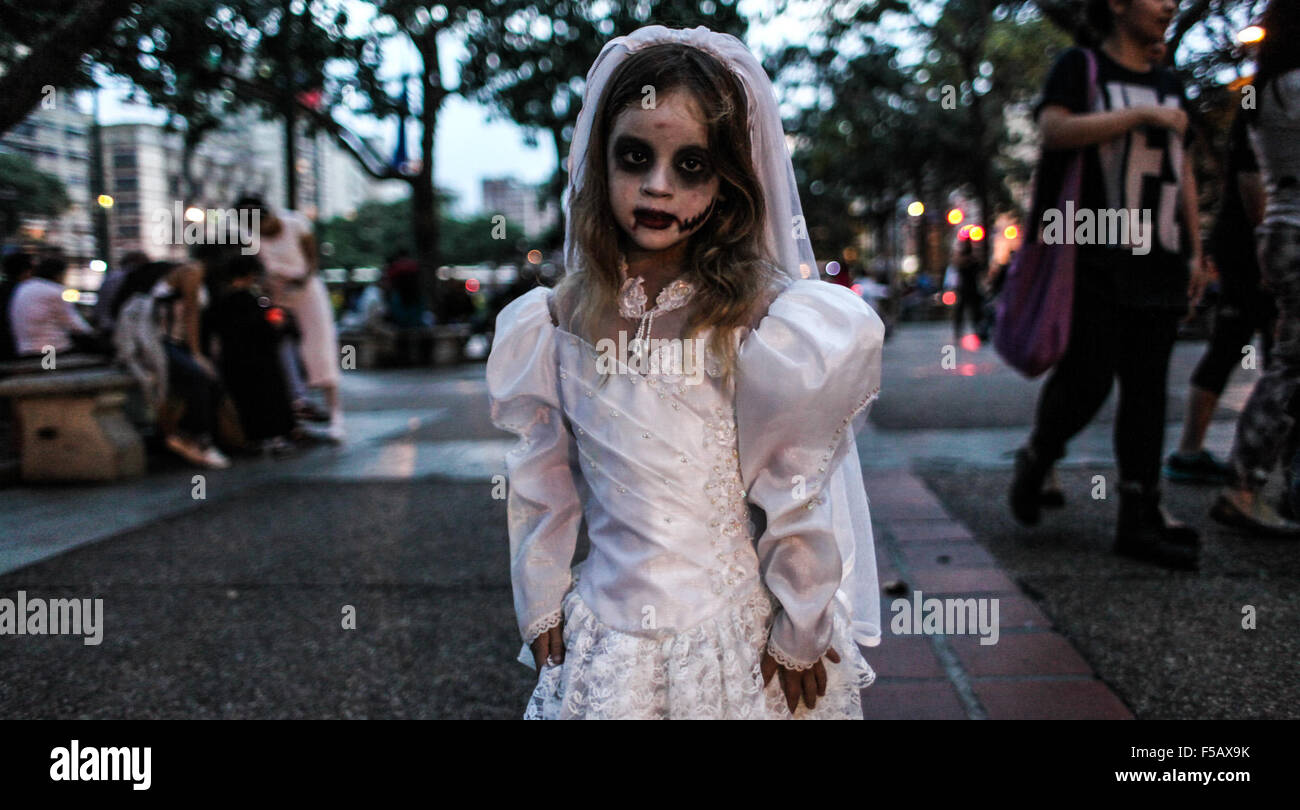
(1031, 672)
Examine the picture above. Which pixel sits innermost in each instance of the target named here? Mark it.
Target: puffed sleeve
(543, 506)
(806, 377)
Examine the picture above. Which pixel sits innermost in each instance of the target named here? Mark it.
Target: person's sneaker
(336, 432)
(1027, 487)
(186, 449)
(1252, 514)
(1198, 468)
(215, 459)
(305, 411)
(194, 453)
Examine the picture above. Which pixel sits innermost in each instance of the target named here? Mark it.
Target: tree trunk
(290, 155)
(424, 201)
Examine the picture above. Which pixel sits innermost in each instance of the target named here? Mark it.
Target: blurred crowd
(227, 348)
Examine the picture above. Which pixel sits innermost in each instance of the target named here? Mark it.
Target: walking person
(968, 267)
(1243, 308)
(1266, 420)
(1129, 293)
(288, 252)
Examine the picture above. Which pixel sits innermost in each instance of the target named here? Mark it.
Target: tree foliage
(27, 192)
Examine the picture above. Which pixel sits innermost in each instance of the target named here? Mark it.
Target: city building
(521, 204)
(56, 139)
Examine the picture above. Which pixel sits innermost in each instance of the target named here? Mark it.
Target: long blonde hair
(726, 259)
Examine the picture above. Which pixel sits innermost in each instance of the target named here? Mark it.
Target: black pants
(1109, 341)
(201, 393)
(1235, 325)
(968, 298)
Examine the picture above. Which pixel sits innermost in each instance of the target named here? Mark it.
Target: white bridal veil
(785, 232)
(787, 240)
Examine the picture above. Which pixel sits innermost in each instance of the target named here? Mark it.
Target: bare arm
(1062, 129)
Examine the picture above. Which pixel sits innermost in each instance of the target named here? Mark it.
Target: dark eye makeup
(635, 156)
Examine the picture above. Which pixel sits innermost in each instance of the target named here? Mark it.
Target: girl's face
(662, 182)
(1148, 20)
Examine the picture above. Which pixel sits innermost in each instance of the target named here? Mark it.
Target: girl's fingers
(834, 656)
(809, 688)
(790, 685)
(768, 668)
(540, 651)
(557, 644)
(819, 674)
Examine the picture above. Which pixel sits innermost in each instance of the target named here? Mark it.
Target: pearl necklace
(632, 301)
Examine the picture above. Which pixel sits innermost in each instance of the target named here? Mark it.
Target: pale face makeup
(662, 183)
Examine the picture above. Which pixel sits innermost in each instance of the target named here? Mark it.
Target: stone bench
(445, 344)
(71, 424)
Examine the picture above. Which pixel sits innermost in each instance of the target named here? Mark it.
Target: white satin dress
(679, 596)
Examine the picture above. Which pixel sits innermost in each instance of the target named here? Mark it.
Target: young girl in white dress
(690, 365)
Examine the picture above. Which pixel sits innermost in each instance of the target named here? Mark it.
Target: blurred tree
(528, 60)
(378, 230)
(203, 60)
(27, 192)
(42, 45)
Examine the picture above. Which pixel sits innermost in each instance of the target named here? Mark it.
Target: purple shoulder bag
(1035, 305)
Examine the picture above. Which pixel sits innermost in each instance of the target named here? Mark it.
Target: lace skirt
(711, 671)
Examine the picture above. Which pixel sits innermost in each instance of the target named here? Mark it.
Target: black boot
(1147, 532)
(1027, 486)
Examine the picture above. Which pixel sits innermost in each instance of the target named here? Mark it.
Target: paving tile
(1019, 654)
(905, 510)
(924, 531)
(916, 700)
(947, 554)
(1049, 700)
(1020, 612)
(903, 657)
(939, 581)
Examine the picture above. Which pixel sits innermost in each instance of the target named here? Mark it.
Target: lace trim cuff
(552, 619)
(788, 661)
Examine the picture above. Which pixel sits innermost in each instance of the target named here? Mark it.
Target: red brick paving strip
(1030, 673)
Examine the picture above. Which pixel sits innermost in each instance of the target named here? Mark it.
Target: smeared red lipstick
(655, 220)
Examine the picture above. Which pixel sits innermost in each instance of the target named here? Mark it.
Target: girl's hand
(809, 684)
(549, 645)
(1167, 117)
